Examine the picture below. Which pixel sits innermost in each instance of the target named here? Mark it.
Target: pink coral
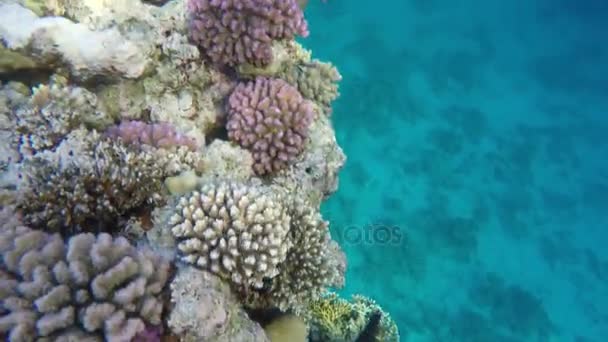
(233, 32)
(162, 135)
(270, 118)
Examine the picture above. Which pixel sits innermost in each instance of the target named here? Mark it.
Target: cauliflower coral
(234, 32)
(271, 119)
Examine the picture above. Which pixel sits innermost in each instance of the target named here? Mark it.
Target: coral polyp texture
(270, 118)
(91, 287)
(233, 32)
(161, 135)
(237, 231)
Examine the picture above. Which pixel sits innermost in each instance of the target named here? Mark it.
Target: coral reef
(91, 287)
(233, 32)
(271, 119)
(141, 136)
(332, 318)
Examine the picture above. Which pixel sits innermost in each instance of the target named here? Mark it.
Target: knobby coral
(275, 251)
(92, 287)
(237, 231)
(233, 32)
(270, 118)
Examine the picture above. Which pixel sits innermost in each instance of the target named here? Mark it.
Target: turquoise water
(473, 205)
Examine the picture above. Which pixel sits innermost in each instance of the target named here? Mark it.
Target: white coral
(238, 231)
(87, 53)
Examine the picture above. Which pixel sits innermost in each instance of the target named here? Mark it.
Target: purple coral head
(160, 135)
(270, 118)
(233, 32)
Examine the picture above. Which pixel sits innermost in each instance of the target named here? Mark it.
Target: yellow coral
(330, 309)
(334, 319)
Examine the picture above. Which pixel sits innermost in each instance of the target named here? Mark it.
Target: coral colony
(162, 168)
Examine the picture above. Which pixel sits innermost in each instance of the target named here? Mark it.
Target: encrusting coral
(90, 287)
(270, 118)
(233, 32)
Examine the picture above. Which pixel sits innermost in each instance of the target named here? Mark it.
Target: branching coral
(206, 310)
(314, 263)
(270, 118)
(233, 32)
(91, 288)
(53, 111)
(87, 179)
(274, 251)
(237, 231)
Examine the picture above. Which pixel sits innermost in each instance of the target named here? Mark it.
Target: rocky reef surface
(162, 166)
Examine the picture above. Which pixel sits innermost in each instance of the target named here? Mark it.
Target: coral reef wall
(162, 166)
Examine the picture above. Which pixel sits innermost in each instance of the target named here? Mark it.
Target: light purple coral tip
(160, 135)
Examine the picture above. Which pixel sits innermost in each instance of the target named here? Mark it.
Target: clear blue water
(473, 205)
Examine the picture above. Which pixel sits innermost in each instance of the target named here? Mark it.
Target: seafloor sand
(481, 132)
